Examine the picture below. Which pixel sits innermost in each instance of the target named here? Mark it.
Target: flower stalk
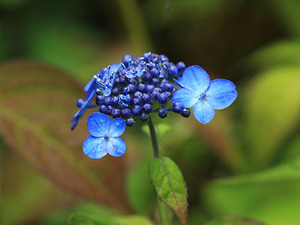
(153, 138)
(162, 206)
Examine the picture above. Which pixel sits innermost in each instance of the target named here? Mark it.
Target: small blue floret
(104, 136)
(203, 95)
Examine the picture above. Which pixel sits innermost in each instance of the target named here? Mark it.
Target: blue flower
(101, 83)
(105, 79)
(132, 70)
(204, 95)
(104, 136)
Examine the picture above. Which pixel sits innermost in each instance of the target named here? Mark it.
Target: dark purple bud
(99, 100)
(141, 87)
(107, 101)
(147, 77)
(172, 70)
(136, 101)
(102, 109)
(149, 87)
(167, 86)
(131, 88)
(137, 110)
(155, 81)
(154, 72)
(162, 98)
(147, 108)
(130, 122)
(186, 112)
(116, 113)
(114, 100)
(154, 95)
(109, 110)
(180, 67)
(125, 113)
(144, 117)
(178, 107)
(145, 98)
(162, 113)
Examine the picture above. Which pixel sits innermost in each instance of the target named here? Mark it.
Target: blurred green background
(244, 164)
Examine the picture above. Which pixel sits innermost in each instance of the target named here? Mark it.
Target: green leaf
(234, 220)
(271, 196)
(161, 130)
(272, 108)
(90, 219)
(36, 106)
(170, 186)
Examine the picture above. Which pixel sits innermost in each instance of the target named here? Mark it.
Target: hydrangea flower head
(138, 87)
(203, 95)
(104, 136)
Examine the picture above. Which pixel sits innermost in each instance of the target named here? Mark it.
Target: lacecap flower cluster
(137, 87)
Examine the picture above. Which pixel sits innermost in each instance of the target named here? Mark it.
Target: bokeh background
(244, 164)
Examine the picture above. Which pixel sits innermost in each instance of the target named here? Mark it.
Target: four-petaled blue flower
(204, 95)
(104, 136)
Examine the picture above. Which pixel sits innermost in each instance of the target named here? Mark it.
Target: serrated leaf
(272, 108)
(36, 106)
(170, 186)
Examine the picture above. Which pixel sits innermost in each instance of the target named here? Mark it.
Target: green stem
(162, 206)
(153, 138)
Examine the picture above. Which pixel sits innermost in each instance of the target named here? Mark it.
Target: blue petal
(117, 127)
(186, 96)
(116, 146)
(195, 78)
(92, 90)
(94, 147)
(87, 86)
(221, 93)
(178, 81)
(203, 112)
(98, 124)
(77, 116)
